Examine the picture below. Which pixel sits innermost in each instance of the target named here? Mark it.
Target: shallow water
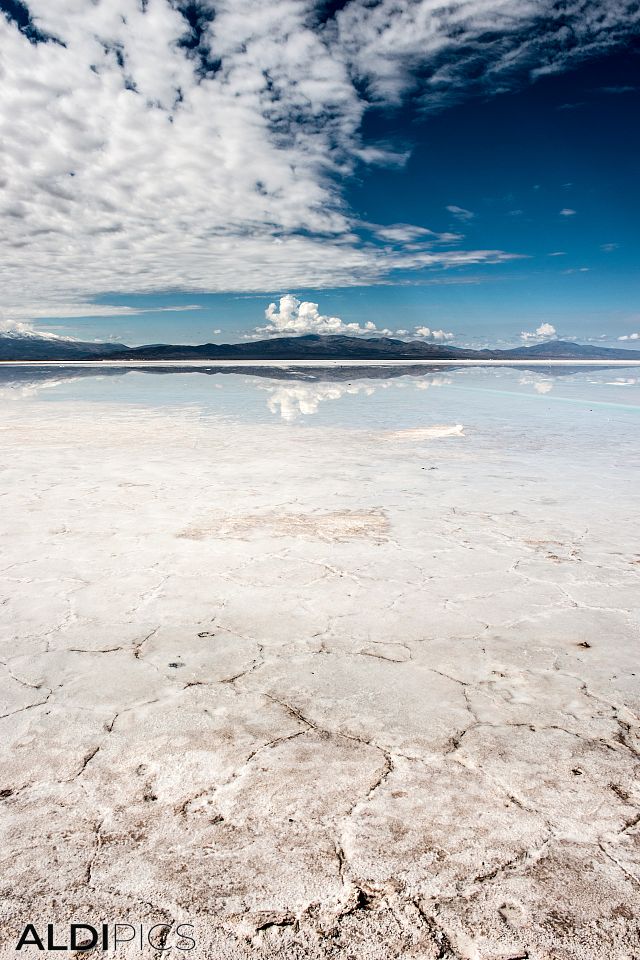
(345, 398)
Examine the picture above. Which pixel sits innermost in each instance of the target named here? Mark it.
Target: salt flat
(362, 689)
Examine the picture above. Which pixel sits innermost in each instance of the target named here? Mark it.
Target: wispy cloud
(20, 320)
(497, 43)
(568, 212)
(460, 213)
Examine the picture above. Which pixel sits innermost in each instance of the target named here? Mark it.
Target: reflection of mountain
(28, 379)
(309, 347)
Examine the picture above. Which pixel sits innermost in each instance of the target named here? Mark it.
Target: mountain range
(307, 347)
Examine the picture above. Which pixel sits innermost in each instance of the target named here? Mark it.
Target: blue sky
(169, 177)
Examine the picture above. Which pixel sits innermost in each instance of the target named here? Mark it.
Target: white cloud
(71, 309)
(567, 212)
(293, 317)
(630, 336)
(609, 247)
(20, 328)
(460, 213)
(403, 233)
(16, 321)
(133, 162)
(426, 333)
(494, 43)
(543, 332)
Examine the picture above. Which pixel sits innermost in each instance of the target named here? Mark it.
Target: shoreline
(248, 364)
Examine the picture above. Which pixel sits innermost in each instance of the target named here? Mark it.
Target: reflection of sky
(491, 398)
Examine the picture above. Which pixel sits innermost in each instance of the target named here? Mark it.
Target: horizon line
(208, 364)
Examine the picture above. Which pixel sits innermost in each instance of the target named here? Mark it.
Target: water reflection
(353, 396)
(540, 383)
(293, 401)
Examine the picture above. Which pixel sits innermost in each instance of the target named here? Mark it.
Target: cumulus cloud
(439, 336)
(630, 336)
(543, 332)
(162, 145)
(293, 317)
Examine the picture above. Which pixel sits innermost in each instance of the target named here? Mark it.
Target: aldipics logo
(107, 937)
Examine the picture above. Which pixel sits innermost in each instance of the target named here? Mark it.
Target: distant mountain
(309, 347)
(34, 348)
(564, 350)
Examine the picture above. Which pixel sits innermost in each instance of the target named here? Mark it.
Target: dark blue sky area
(515, 161)
(549, 172)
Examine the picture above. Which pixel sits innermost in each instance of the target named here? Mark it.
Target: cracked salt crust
(320, 701)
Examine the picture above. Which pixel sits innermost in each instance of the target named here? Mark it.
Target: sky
(462, 172)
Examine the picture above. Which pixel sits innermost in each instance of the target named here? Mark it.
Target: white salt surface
(365, 690)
